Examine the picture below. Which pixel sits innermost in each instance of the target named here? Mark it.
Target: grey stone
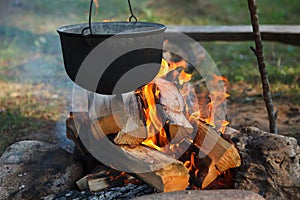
(203, 195)
(123, 189)
(149, 190)
(68, 194)
(33, 169)
(270, 164)
(93, 198)
(49, 197)
(131, 186)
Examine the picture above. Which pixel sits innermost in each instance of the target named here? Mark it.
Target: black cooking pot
(112, 57)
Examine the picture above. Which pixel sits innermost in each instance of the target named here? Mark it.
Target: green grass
(217, 11)
(33, 82)
(237, 62)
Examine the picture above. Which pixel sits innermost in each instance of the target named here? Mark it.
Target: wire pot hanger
(131, 18)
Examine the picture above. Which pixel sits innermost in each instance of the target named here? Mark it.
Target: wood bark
(258, 51)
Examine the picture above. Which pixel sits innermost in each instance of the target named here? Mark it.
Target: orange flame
(184, 77)
(157, 136)
(217, 98)
(205, 109)
(204, 106)
(164, 69)
(190, 164)
(154, 123)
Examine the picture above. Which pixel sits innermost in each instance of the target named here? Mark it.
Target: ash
(128, 191)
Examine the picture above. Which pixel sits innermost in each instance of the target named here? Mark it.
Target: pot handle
(131, 12)
(90, 18)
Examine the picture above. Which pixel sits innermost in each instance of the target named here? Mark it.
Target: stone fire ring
(204, 195)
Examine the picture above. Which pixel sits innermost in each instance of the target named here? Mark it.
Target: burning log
(212, 144)
(158, 170)
(165, 112)
(124, 114)
(174, 109)
(222, 154)
(153, 167)
(164, 173)
(202, 168)
(103, 178)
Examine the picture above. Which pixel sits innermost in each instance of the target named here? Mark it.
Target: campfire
(173, 131)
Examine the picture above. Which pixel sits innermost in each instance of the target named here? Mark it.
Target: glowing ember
(190, 164)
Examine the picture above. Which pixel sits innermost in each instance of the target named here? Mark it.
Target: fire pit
(170, 139)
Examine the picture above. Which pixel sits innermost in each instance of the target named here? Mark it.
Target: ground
(36, 93)
(243, 114)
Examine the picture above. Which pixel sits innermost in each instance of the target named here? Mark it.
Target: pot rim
(155, 29)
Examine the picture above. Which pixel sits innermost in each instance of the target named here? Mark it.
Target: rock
(33, 169)
(204, 195)
(270, 164)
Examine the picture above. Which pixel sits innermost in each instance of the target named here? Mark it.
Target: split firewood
(124, 115)
(117, 114)
(134, 131)
(161, 171)
(153, 167)
(103, 178)
(170, 96)
(190, 98)
(172, 107)
(223, 154)
(201, 167)
(107, 114)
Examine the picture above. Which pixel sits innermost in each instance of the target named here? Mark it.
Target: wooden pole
(258, 51)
